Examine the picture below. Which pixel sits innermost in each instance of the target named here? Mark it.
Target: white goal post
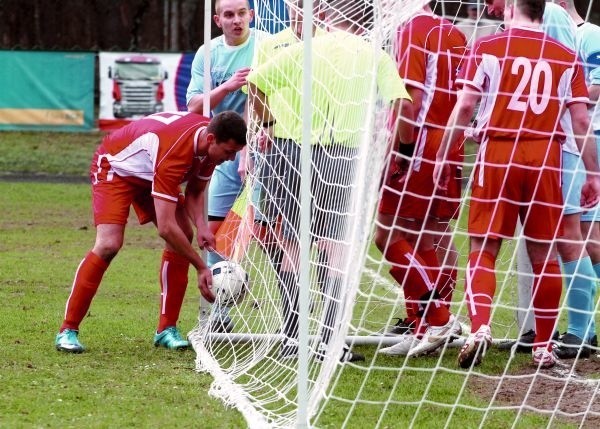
(314, 387)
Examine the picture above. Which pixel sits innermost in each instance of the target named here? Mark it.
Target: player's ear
(210, 139)
(251, 14)
(217, 20)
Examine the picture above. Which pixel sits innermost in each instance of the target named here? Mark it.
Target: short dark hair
(228, 125)
(533, 9)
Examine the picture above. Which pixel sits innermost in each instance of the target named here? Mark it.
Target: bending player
(142, 166)
(524, 79)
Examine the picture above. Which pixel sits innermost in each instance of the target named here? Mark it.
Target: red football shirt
(161, 149)
(525, 78)
(429, 52)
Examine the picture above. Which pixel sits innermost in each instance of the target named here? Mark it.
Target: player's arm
(196, 91)
(457, 123)
(171, 232)
(403, 110)
(594, 91)
(262, 114)
(235, 82)
(586, 143)
(195, 192)
(402, 139)
(260, 104)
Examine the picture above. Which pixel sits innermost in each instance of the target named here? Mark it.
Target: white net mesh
(251, 369)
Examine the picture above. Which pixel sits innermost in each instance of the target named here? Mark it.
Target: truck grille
(139, 99)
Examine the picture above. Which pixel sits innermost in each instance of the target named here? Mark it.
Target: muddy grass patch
(572, 394)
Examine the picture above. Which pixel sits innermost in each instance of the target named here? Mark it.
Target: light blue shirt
(558, 24)
(225, 60)
(588, 42)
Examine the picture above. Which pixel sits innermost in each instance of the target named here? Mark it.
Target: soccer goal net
(321, 296)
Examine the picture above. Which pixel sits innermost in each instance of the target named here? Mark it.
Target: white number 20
(538, 100)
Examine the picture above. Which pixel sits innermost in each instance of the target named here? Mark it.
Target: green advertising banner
(47, 90)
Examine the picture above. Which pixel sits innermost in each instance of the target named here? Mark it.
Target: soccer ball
(230, 283)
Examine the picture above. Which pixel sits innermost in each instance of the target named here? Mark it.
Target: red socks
(87, 279)
(447, 283)
(410, 271)
(546, 299)
(480, 288)
(173, 283)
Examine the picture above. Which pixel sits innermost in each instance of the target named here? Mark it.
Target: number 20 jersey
(525, 78)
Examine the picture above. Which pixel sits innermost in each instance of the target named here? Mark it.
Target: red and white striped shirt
(429, 51)
(160, 149)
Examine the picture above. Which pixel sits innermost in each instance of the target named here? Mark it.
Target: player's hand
(398, 171)
(238, 79)
(243, 164)
(441, 176)
(206, 239)
(590, 192)
(264, 139)
(205, 284)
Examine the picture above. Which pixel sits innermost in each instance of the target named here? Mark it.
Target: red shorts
(113, 195)
(517, 179)
(417, 198)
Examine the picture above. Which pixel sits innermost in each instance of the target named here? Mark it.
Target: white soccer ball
(230, 283)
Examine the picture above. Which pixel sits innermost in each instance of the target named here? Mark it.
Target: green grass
(32, 153)
(123, 381)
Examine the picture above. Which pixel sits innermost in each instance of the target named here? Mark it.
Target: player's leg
(421, 207)
(416, 277)
(447, 256)
(480, 288)
(445, 208)
(387, 233)
(577, 266)
(266, 200)
(591, 234)
(173, 280)
(542, 189)
(547, 289)
(580, 283)
(288, 177)
(331, 184)
(334, 300)
(411, 270)
(524, 311)
(525, 317)
(111, 200)
(591, 231)
(590, 228)
(493, 214)
(109, 239)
